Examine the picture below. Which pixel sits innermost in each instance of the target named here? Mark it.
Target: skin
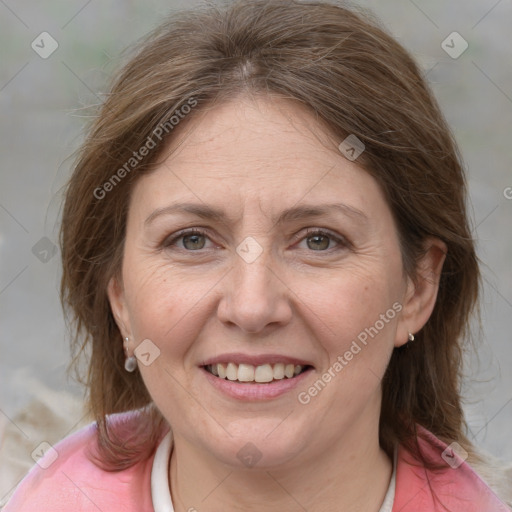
(303, 297)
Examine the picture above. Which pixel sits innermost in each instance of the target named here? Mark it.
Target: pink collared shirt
(73, 482)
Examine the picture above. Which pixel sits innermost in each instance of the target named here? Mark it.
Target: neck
(336, 480)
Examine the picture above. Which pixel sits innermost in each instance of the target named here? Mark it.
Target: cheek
(349, 300)
(359, 318)
(148, 295)
(164, 304)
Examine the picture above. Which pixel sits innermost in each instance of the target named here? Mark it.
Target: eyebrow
(289, 215)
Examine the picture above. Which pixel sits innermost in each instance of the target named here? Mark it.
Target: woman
(266, 252)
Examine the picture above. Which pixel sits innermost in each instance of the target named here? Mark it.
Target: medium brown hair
(355, 79)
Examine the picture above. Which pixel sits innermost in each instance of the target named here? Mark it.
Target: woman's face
(259, 290)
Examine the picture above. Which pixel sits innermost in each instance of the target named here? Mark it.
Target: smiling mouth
(262, 374)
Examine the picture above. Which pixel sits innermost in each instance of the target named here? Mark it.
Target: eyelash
(342, 241)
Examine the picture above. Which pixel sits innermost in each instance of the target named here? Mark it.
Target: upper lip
(255, 360)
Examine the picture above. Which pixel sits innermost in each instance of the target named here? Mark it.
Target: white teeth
(249, 373)
(264, 373)
(246, 372)
(279, 371)
(232, 371)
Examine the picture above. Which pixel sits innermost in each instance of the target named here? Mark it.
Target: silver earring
(411, 336)
(130, 363)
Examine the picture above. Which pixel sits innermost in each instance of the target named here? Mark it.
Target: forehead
(262, 150)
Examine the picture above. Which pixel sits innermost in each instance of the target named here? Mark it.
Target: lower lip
(254, 391)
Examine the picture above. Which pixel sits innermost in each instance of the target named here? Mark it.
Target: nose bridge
(254, 296)
(254, 277)
(253, 266)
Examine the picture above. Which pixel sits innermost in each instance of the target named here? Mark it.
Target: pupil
(195, 237)
(316, 237)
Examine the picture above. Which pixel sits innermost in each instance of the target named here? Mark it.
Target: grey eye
(319, 242)
(194, 241)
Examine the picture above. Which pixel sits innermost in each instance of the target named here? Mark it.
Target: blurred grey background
(42, 116)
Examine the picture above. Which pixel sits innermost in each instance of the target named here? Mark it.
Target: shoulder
(66, 478)
(457, 487)
(496, 474)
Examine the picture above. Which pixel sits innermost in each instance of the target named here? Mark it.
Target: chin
(257, 445)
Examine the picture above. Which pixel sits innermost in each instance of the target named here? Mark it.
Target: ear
(116, 297)
(421, 294)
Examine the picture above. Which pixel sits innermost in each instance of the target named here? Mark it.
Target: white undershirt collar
(161, 494)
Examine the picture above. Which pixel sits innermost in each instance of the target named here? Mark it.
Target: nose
(255, 295)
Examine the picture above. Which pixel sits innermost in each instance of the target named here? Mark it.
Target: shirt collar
(161, 494)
